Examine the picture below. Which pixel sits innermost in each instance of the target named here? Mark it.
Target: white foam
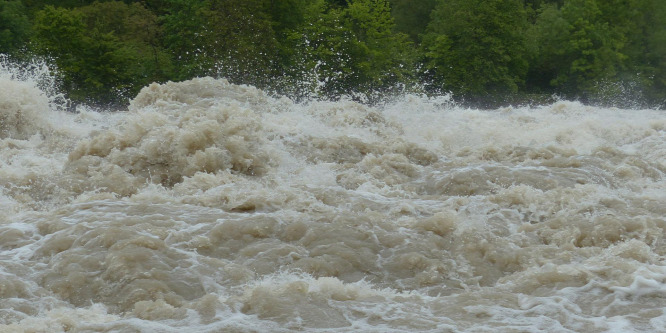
(208, 206)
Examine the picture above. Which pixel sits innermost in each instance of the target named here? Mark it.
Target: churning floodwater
(213, 207)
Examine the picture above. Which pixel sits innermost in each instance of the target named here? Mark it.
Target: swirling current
(213, 207)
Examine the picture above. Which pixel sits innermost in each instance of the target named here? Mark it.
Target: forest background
(484, 52)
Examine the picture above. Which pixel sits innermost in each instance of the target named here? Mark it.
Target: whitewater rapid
(213, 207)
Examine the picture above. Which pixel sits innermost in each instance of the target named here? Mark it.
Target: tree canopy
(481, 51)
(477, 47)
(14, 25)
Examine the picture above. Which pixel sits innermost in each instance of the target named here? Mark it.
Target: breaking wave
(216, 207)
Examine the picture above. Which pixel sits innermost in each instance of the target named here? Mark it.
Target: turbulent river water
(213, 207)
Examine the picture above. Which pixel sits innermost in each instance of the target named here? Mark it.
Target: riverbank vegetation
(483, 52)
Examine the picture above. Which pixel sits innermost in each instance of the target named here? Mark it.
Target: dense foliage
(482, 51)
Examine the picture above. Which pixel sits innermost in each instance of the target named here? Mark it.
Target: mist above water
(215, 207)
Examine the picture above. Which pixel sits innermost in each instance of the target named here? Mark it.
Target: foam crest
(21, 110)
(175, 131)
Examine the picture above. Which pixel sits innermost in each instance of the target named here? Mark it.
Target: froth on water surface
(213, 207)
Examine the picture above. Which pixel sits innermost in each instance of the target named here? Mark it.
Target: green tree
(230, 38)
(578, 48)
(477, 48)
(353, 49)
(183, 27)
(287, 15)
(641, 74)
(138, 30)
(243, 40)
(412, 16)
(14, 26)
(95, 63)
(655, 50)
